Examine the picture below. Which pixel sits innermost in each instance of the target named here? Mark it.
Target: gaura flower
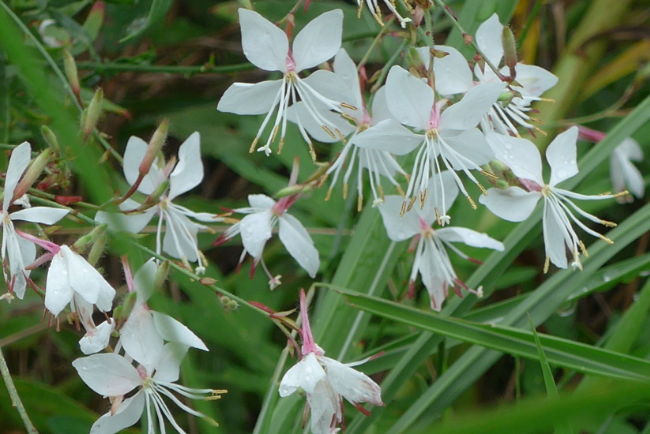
(516, 204)
(18, 252)
(373, 7)
(267, 47)
(431, 258)
(180, 239)
(326, 382)
(453, 76)
(450, 134)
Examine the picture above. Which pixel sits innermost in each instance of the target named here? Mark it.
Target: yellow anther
(607, 240)
(349, 106)
(253, 145)
(328, 131)
(608, 224)
(547, 263)
(472, 203)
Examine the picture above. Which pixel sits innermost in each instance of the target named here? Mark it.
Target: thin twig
(13, 394)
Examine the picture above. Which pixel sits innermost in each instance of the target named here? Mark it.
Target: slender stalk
(163, 69)
(13, 394)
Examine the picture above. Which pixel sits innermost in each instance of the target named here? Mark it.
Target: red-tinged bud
(468, 39)
(155, 146)
(509, 50)
(67, 200)
(95, 20)
(71, 73)
(291, 23)
(93, 113)
(51, 139)
(415, 63)
(261, 306)
(32, 173)
(438, 54)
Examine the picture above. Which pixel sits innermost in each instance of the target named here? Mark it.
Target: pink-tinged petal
(255, 230)
(143, 281)
(304, 374)
(87, 282)
(471, 144)
(168, 367)
(127, 414)
(173, 331)
(260, 201)
(513, 204)
(264, 44)
(399, 228)
(136, 148)
(140, 338)
(380, 109)
(250, 99)
(389, 136)
(467, 113)
(58, 292)
(469, 237)
(319, 41)
(452, 72)
(411, 100)
(20, 158)
(345, 68)
(534, 79)
(520, 155)
(40, 214)
(488, 38)
(556, 237)
(350, 383)
(561, 155)
(96, 340)
(299, 244)
(108, 374)
(188, 173)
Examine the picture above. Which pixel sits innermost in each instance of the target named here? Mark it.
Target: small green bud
(33, 172)
(289, 191)
(93, 113)
(509, 50)
(161, 275)
(70, 68)
(82, 243)
(415, 62)
(97, 250)
(126, 307)
(155, 146)
(50, 138)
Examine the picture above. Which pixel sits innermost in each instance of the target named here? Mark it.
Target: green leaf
(156, 14)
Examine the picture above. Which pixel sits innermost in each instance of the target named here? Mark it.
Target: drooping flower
(267, 47)
(431, 258)
(180, 239)
(516, 204)
(450, 133)
(326, 382)
(18, 252)
(454, 76)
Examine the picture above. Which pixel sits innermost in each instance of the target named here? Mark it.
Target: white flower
(516, 204)
(180, 239)
(454, 76)
(450, 133)
(326, 382)
(431, 259)
(17, 252)
(623, 173)
(373, 7)
(267, 47)
(71, 278)
(257, 227)
(97, 336)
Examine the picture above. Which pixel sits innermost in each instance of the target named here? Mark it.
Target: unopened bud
(32, 173)
(467, 38)
(228, 303)
(70, 68)
(509, 50)
(415, 63)
(159, 191)
(93, 113)
(155, 145)
(289, 191)
(122, 312)
(83, 242)
(161, 275)
(50, 138)
(97, 250)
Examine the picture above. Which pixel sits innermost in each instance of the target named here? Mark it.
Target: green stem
(13, 394)
(163, 69)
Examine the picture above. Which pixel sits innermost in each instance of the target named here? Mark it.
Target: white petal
(467, 113)
(434, 196)
(127, 414)
(561, 155)
(470, 144)
(630, 149)
(469, 237)
(623, 173)
(250, 99)
(40, 214)
(180, 237)
(174, 331)
(168, 366)
(58, 292)
(325, 409)
(264, 44)
(332, 86)
(260, 201)
(304, 374)
(534, 80)
(488, 38)
(87, 282)
(28, 255)
(433, 265)
(380, 109)
(521, 155)
(350, 383)
(319, 41)
(345, 68)
(513, 204)
(255, 230)
(144, 281)
(411, 100)
(18, 162)
(96, 340)
(453, 74)
(188, 173)
(399, 228)
(108, 374)
(140, 337)
(299, 112)
(134, 154)
(389, 136)
(556, 237)
(133, 222)
(299, 244)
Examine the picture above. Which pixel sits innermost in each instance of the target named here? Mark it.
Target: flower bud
(290, 190)
(159, 191)
(32, 173)
(122, 312)
(97, 250)
(51, 139)
(93, 113)
(155, 145)
(70, 68)
(82, 243)
(415, 63)
(509, 50)
(161, 275)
